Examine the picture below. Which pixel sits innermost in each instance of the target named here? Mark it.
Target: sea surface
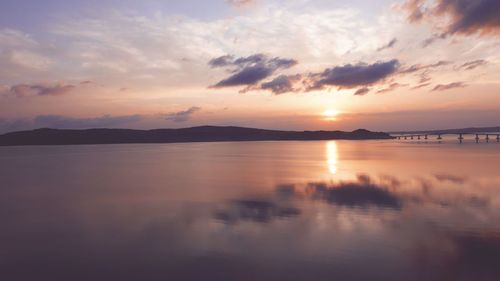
(317, 210)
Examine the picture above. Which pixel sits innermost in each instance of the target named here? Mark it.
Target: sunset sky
(277, 64)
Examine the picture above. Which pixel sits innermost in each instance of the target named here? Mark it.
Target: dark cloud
(182, 116)
(247, 76)
(27, 90)
(463, 16)
(248, 71)
(352, 76)
(388, 45)
(444, 87)
(472, 64)
(221, 61)
(362, 91)
(471, 16)
(282, 84)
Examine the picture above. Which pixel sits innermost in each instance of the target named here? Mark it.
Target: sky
(383, 65)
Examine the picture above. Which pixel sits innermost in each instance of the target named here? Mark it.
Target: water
(333, 210)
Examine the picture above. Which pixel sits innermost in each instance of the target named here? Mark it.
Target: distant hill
(453, 131)
(194, 134)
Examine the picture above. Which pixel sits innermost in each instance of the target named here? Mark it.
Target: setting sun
(330, 114)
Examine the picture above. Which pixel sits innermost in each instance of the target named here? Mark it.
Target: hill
(195, 134)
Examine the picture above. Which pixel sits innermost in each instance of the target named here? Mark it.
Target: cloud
(471, 16)
(21, 54)
(248, 71)
(388, 45)
(461, 16)
(182, 116)
(27, 90)
(424, 77)
(282, 84)
(444, 87)
(391, 87)
(472, 64)
(418, 67)
(420, 86)
(433, 38)
(247, 76)
(239, 3)
(362, 91)
(128, 46)
(251, 70)
(11, 125)
(414, 9)
(221, 61)
(352, 76)
(64, 122)
(424, 71)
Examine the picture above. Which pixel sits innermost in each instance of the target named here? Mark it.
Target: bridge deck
(461, 136)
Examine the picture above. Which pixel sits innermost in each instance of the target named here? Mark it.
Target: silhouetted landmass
(453, 131)
(195, 134)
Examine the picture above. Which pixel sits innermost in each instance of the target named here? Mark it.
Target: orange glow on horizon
(331, 114)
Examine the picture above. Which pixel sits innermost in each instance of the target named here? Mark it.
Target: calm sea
(319, 210)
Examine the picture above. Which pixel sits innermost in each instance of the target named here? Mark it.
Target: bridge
(439, 136)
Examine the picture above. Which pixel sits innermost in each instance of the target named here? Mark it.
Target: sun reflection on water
(332, 157)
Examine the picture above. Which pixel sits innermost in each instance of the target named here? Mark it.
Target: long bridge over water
(495, 136)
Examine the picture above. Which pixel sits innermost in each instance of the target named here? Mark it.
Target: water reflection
(362, 193)
(387, 192)
(250, 211)
(254, 210)
(332, 156)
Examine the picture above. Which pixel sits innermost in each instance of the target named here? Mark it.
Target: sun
(330, 114)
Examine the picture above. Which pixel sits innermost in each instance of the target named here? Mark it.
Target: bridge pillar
(477, 138)
(439, 137)
(427, 137)
(487, 138)
(460, 137)
(498, 138)
(405, 138)
(411, 137)
(418, 137)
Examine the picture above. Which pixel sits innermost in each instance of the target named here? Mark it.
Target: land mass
(469, 130)
(195, 134)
